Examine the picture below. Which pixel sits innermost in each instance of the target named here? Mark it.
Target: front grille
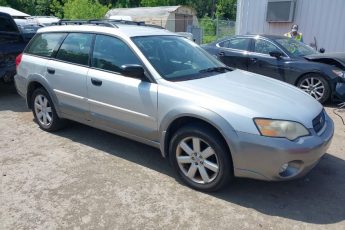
(319, 121)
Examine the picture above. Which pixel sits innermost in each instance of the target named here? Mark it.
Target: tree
(3, 3)
(226, 9)
(93, 8)
(84, 9)
(56, 8)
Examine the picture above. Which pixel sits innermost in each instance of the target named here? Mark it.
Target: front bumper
(340, 91)
(260, 157)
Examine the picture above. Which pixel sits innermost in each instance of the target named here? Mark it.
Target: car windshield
(177, 58)
(295, 48)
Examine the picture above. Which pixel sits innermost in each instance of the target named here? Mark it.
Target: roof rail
(105, 22)
(85, 22)
(137, 23)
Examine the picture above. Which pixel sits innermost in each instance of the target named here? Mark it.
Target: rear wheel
(44, 111)
(316, 86)
(200, 158)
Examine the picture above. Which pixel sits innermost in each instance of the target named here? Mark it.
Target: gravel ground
(83, 178)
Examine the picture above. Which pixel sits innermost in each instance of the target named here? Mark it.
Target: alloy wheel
(313, 87)
(43, 110)
(197, 160)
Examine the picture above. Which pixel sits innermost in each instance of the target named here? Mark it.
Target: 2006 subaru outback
(161, 89)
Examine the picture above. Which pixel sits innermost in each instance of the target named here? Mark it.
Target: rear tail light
(18, 60)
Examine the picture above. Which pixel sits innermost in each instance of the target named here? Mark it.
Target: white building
(320, 20)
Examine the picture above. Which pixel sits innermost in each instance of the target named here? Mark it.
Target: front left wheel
(44, 111)
(201, 158)
(316, 86)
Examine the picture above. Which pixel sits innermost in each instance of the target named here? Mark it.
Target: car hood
(327, 57)
(241, 93)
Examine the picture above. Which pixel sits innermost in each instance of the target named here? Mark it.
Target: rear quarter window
(239, 43)
(45, 44)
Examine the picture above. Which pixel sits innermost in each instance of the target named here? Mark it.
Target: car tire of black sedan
(200, 158)
(316, 86)
(44, 111)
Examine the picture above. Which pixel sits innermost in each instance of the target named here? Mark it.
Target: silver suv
(161, 89)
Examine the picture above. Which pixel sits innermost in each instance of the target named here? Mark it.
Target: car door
(261, 62)
(234, 52)
(67, 74)
(119, 102)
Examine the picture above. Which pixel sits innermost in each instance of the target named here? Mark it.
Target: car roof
(120, 29)
(268, 36)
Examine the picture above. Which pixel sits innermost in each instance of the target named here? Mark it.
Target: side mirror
(276, 54)
(133, 70)
(322, 50)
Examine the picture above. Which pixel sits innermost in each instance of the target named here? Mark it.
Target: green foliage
(208, 25)
(93, 8)
(84, 9)
(226, 9)
(3, 3)
(208, 39)
(56, 7)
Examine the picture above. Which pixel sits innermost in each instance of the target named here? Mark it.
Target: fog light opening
(290, 169)
(283, 168)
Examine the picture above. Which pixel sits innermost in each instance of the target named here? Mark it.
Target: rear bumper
(262, 158)
(20, 83)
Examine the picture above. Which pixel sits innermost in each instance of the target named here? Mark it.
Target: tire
(195, 163)
(316, 86)
(44, 111)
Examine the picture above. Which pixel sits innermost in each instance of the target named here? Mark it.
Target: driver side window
(264, 47)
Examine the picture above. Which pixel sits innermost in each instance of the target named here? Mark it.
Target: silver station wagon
(156, 87)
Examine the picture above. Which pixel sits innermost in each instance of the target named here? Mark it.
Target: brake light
(18, 60)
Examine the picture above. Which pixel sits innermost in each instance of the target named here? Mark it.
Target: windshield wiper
(220, 69)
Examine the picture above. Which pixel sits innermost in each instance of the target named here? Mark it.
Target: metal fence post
(217, 27)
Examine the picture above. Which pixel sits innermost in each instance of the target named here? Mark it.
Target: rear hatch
(11, 44)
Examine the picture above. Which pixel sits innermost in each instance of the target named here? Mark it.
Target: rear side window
(7, 25)
(75, 48)
(45, 44)
(111, 53)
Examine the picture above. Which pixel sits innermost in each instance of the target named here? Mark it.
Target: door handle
(96, 82)
(221, 54)
(254, 60)
(50, 71)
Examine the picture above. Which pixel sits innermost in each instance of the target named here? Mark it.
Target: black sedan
(320, 75)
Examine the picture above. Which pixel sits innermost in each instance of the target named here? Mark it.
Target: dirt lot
(83, 178)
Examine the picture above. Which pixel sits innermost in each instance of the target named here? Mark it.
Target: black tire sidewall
(56, 122)
(327, 93)
(225, 174)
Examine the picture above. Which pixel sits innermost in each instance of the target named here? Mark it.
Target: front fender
(212, 118)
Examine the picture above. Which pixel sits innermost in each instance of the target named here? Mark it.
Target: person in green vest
(294, 34)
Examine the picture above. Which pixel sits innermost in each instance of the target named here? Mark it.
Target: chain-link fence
(214, 29)
(201, 30)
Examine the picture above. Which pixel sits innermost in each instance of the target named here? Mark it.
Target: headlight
(339, 73)
(278, 128)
